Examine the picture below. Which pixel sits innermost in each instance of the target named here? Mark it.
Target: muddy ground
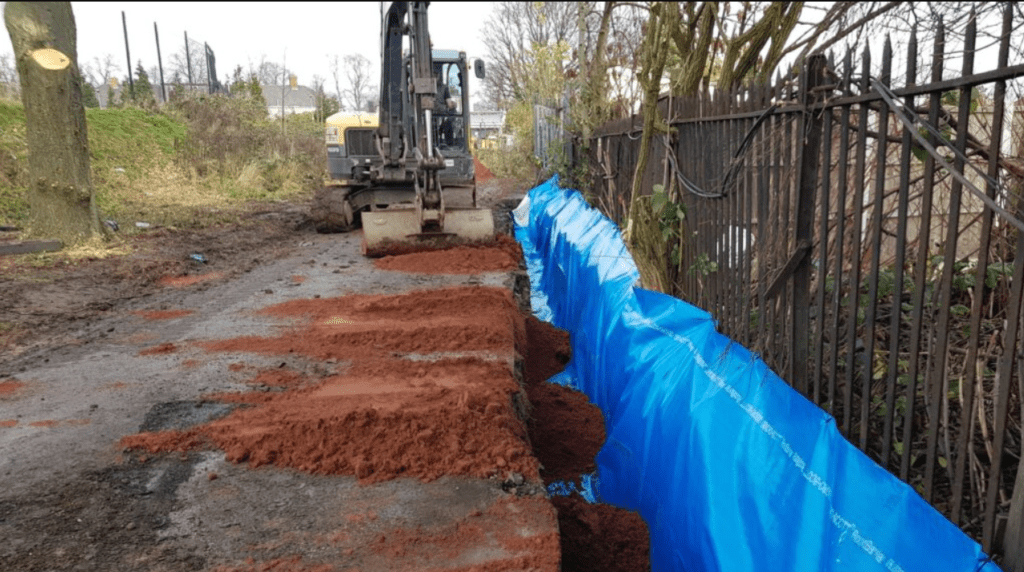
(96, 352)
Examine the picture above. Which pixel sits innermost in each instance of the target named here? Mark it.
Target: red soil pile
(502, 254)
(567, 431)
(353, 327)
(163, 314)
(458, 260)
(9, 423)
(499, 242)
(9, 387)
(161, 349)
(483, 174)
(185, 281)
(386, 416)
(44, 423)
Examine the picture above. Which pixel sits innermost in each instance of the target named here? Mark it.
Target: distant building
(102, 91)
(487, 124)
(298, 99)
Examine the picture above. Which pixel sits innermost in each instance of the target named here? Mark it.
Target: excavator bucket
(403, 226)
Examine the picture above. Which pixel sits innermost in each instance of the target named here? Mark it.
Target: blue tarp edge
(730, 467)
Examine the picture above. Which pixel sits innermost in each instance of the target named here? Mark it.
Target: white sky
(304, 34)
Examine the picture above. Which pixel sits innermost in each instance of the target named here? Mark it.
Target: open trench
(567, 431)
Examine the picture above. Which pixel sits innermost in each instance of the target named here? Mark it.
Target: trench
(566, 432)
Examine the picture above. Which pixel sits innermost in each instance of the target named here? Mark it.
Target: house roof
(300, 96)
(487, 119)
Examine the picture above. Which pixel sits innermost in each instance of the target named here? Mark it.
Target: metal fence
(552, 144)
(867, 243)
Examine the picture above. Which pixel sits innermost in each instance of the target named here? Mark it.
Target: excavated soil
(349, 327)
(384, 416)
(483, 174)
(567, 431)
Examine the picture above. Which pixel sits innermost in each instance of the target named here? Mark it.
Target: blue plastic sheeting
(587, 488)
(731, 468)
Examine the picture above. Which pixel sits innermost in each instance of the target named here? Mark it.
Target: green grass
(178, 166)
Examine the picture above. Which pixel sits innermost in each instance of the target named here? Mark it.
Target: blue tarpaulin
(730, 467)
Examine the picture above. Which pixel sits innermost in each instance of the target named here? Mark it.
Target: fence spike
(847, 71)
(912, 59)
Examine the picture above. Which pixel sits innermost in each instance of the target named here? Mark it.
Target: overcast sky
(304, 34)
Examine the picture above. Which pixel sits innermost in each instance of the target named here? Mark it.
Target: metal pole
(131, 83)
(188, 62)
(209, 77)
(160, 62)
(284, 84)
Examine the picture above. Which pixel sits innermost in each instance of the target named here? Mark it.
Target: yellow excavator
(406, 174)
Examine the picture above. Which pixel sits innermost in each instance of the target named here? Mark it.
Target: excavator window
(449, 122)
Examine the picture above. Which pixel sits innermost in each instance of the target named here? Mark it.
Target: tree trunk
(60, 195)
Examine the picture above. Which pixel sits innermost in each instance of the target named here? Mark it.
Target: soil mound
(483, 174)
(387, 415)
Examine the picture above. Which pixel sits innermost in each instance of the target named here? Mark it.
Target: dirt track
(178, 423)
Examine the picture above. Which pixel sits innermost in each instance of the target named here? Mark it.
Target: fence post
(813, 76)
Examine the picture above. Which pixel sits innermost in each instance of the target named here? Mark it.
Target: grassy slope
(141, 171)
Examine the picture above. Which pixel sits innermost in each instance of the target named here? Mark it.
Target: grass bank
(192, 163)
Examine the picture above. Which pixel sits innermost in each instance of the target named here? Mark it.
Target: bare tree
(180, 64)
(99, 71)
(9, 86)
(514, 29)
(268, 72)
(360, 84)
(335, 66)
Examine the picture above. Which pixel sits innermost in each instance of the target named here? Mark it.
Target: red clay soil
(601, 538)
(278, 378)
(9, 387)
(483, 174)
(9, 423)
(567, 431)
(458, 260)
(437, 549)
(163, 314)
(358, 326)
(161, 349)
(386, 416)
(185, 281)
(499, 242)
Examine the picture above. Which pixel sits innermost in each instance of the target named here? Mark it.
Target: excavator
(407, 174)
